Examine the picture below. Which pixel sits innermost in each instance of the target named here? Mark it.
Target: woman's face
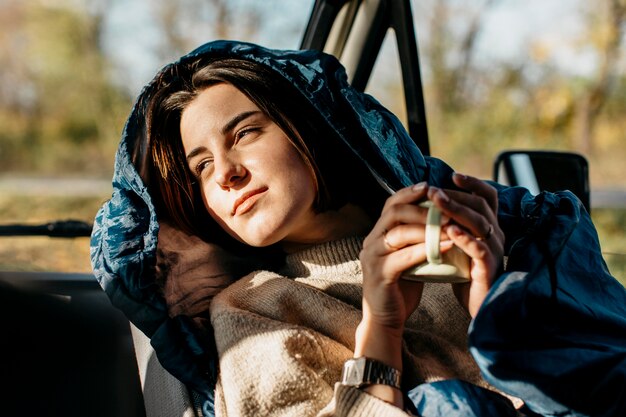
(254, 182)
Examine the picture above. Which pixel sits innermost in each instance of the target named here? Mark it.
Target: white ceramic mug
(450, 266)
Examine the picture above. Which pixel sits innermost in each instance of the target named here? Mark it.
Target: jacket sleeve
(449, 398)
(553, 332)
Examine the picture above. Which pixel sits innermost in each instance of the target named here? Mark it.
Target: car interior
(87, 359)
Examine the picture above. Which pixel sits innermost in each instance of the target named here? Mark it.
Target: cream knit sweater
(282, 338)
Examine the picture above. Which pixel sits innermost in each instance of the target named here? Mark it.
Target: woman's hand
(394, 244)
(474, 229)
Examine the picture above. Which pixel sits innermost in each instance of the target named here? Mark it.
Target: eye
(247, 133)
(202, 166)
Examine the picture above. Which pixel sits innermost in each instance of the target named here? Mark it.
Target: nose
(229, 172)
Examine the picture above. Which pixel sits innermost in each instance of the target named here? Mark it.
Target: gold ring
(487, 235)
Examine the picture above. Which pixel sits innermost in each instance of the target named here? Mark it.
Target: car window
(72, 69)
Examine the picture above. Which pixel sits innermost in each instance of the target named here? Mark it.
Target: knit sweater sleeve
(350, 401)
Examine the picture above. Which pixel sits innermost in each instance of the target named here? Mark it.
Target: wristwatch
(359, 372)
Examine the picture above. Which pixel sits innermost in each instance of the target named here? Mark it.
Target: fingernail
(459, 175)
(454, 229)
(443, 196)
(446, 244)
(419, 186)
(444, 219)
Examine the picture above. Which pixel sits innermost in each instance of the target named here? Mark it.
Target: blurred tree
(56, 83)
(459, 92)
(605, 33)
(529, 99)
(185, 24)
(16, 81)
(453, 28)
(60, 110)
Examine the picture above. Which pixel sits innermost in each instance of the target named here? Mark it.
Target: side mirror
(544, 171)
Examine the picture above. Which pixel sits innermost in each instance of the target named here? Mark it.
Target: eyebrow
(224, 130)
(195, 152)
(235, 120)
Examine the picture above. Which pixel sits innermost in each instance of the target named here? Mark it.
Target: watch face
(353, 371)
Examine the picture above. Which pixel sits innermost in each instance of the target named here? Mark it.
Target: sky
(130, 32)
(513, 26)
(510, 28)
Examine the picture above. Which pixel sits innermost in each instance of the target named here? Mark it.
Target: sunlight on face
(254, 182)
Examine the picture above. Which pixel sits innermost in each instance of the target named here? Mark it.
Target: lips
(245, 203)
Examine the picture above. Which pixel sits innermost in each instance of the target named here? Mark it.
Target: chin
(258, 240)
(254, 237)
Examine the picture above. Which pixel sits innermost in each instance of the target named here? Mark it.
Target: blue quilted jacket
(555, 336)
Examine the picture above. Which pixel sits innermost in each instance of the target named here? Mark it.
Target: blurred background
(497, 74)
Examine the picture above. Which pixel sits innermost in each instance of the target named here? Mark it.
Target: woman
(276, 150)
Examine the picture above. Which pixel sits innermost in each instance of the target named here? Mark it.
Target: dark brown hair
(161, 160)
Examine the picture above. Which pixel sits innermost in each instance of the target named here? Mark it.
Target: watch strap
(364, 371)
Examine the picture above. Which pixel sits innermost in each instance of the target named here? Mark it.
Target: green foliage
(476, 109)
(611, 224)
(62, 108)
(27, 208)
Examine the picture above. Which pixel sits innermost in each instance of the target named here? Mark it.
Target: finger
(400, 208)
(478, 187)
(407, 195)
(477, 223)
(389, 267)
(472, 294)
(393, 214)
(395, 263)
(472, 201)
(476, 249)
(402, 214)
(406, 234)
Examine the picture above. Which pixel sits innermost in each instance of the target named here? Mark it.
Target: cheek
(214, 208)
(306, 182)
(300, 175)
(303, 185)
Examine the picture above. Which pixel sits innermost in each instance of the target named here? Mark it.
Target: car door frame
(354, 30)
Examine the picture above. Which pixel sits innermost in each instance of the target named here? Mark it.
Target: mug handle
(433, 233)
